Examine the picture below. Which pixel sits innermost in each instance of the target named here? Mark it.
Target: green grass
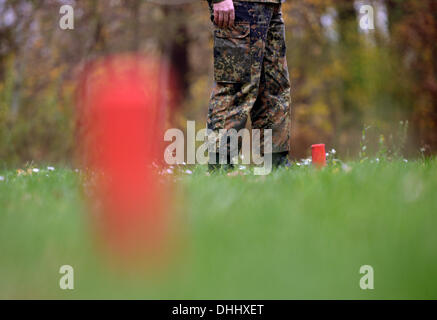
(298, 233)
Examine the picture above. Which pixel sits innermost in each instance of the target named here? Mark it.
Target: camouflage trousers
(251, 74)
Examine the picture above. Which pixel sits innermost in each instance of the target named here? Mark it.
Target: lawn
(297, 233)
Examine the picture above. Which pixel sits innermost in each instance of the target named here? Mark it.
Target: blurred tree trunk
(98, 43)
(19, 38)
(174, 44)
(413, 29)
(135, 6)
(348, 45)
(394, 13)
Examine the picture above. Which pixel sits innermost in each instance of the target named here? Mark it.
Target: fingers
(221, 19)
(231, 18)
(224, 18)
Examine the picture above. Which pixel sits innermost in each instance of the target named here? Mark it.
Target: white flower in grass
(2, 178)
(35, 170)
(306, 162)
(405, 160)
(346, 168)
(188, 171)
(333, 151)
(242, 167)
(51, 168)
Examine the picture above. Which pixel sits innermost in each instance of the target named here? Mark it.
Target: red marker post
(318, 155)
(118, 109)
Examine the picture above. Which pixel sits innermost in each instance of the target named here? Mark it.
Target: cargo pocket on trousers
(232, 54)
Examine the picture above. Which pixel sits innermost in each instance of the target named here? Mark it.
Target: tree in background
(413, 28)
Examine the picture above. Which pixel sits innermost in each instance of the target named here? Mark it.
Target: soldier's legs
(272, 107)
(238, 57)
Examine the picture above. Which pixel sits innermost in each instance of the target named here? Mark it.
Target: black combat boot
(212, 167)
(280, 159)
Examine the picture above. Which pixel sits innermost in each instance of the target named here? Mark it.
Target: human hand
(224, 14)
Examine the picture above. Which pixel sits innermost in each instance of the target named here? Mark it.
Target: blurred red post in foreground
(120, 145)
(318, 155)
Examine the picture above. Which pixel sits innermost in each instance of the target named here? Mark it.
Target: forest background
(344, 79)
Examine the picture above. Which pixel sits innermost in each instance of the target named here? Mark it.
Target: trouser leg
(272, 107)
